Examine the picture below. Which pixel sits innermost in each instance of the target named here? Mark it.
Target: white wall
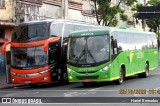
(50, 11)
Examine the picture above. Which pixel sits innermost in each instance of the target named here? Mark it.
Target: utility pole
(64, 9)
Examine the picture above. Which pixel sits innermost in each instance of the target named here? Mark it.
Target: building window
(2, 3)
(2, 33)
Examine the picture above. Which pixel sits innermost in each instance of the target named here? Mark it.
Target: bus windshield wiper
(82, 53)
(91, 55)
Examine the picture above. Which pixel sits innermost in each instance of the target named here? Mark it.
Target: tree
(104, 11)
(154, 24)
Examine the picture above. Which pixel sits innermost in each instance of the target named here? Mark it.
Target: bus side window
(143, 41)
(149, 41)
(122, 41)
(68, 29)
(137, 43)
(131, 41)
(56, 29)
(154, 41)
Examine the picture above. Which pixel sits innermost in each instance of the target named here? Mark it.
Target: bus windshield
(24, 33)
(28, 57)
(88, 50)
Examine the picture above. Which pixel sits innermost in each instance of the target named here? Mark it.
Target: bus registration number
(87, 80)
(26, 82)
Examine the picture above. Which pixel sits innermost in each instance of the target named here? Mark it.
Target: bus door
(53, 60)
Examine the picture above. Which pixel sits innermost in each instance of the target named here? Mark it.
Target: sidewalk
(3, 83)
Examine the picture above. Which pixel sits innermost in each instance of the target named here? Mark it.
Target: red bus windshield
(33, 32)
(28, 57)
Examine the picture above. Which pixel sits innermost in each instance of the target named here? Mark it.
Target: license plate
(87, 80)
(26, 82)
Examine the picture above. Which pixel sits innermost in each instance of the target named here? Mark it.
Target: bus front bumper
(43, 78)
(98, 76)
(38, 75)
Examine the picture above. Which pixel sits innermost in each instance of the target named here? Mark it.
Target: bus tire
(121, 79)
(146, 73)
(64, 78)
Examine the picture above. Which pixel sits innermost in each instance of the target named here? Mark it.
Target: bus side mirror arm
(114, 46)
(46, 44)
(3, 49)
(115, 43)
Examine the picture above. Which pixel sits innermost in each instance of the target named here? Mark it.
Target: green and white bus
(110, 54)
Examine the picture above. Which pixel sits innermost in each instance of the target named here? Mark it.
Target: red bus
(39, 49)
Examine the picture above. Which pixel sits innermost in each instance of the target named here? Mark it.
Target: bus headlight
(105, 68)
(32, 75)
(45, 71)
(70, 70)
(13, 73)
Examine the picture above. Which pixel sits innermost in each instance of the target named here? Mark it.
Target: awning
(7, 24)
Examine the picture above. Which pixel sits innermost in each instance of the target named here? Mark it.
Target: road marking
(72, 94)
(10, 95)
(156, 73)
(65, 90)
(95, 89)
(136, 95)
(157, 88)
(35, 92)
(75, 90)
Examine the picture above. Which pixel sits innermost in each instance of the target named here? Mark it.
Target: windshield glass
(28, 57)
(24, 33)
(88, 50)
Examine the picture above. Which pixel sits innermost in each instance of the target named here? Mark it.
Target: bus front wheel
(64, 78)
(121, 79)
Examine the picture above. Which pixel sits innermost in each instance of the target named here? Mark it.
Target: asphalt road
(103, 90)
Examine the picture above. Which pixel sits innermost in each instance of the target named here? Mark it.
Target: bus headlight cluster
(29, 75)
(105, 68)
(32, 75)
(13, 73)
(45, 71)
(70, 70)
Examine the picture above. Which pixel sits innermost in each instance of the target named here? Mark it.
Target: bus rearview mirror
(115, 43)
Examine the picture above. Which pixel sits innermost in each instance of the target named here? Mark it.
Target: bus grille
(87, 77)
(87, 72)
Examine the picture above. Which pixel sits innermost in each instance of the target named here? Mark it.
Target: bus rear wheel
(146, 73)
(121, 79)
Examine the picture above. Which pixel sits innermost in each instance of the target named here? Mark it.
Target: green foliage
(154, 24)
(136, 7)
(115, 22)
(106, 12)
(130, 2)
(124, 17)
(154, 2)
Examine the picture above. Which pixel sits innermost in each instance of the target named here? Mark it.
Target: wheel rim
(65, 76)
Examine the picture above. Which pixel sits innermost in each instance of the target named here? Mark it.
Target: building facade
(6, 20)
(13, 12)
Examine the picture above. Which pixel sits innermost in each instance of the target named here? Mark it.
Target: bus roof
(90, 32)
(104, 30)
(56, 21)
